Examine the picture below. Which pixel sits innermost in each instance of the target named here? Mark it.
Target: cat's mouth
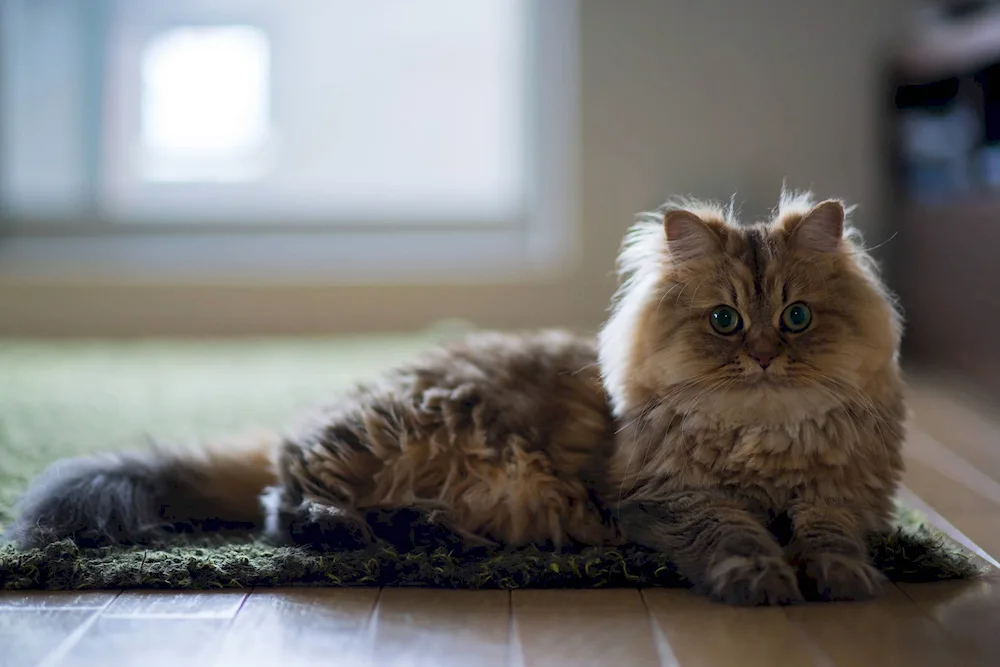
(766, 378)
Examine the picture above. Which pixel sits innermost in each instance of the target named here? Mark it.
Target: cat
(740, 411)
(755, 374)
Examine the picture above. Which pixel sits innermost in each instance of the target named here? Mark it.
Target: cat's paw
(328, 528)
(311, 524)
(830, 576)
(409, 528)
(753, 580)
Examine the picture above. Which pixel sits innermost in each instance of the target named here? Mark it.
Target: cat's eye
(726, 320)
(796, 318)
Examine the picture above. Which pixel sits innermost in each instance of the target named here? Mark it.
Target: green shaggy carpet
(65, 398)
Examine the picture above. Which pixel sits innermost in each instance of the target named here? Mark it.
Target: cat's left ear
(688, 236)
(821, 229)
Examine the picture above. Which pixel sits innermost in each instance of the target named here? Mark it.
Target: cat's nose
(763, 358)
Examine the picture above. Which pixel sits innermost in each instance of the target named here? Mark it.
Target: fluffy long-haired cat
(741, 411)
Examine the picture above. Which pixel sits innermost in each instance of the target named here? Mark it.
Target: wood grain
(151, 628)
(941, 492)
(603, 628)
(306, 627)
(891, 630)
(700, 633)
(27, 636)
(154, 641)
(983, 528)
(440, 628)
(958, 419)
(919, 446)
(969, 611)
(37, 627)
(190, 604)
(55, 599)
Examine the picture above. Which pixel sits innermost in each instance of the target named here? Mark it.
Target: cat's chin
(765, 379)
(768, 382)
(775, 400)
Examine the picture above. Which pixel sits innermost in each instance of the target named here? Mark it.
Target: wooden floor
(931, 624)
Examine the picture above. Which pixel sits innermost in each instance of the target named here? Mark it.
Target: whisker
(875, 247)
(657, 400)
(865, 404)
(665, 294)
(694, 296)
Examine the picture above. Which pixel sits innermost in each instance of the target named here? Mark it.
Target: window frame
(541, 244)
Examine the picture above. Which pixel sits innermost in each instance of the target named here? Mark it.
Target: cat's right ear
(688, 236)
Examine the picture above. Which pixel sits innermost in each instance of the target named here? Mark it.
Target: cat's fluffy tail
(143, 495)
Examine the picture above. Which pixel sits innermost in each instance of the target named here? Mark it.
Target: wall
(690, 96)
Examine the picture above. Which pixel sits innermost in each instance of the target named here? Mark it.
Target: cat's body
(746, 380)
(505, 437)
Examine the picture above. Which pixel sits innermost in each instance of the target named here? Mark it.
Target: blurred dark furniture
(944, 133)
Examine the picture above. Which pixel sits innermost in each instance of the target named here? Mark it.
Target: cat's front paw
(311, 524)
(328, 528)
(753, 580)
(829, 576)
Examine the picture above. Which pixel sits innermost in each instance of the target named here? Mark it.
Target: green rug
(60, 399)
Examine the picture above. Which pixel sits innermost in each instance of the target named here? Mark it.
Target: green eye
(726, 320)
(796, 317)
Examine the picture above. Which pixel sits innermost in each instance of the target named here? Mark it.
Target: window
(205, 105)
(208, 135)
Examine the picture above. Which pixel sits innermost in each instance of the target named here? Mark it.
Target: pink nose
(764, 359)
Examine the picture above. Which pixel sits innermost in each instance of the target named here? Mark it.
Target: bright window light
(205, 104)
(335, 114)
(395, 111)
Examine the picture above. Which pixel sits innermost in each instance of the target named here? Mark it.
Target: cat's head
(773, 320)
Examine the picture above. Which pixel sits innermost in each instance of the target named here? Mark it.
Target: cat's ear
(688, 236)
(821, 229)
